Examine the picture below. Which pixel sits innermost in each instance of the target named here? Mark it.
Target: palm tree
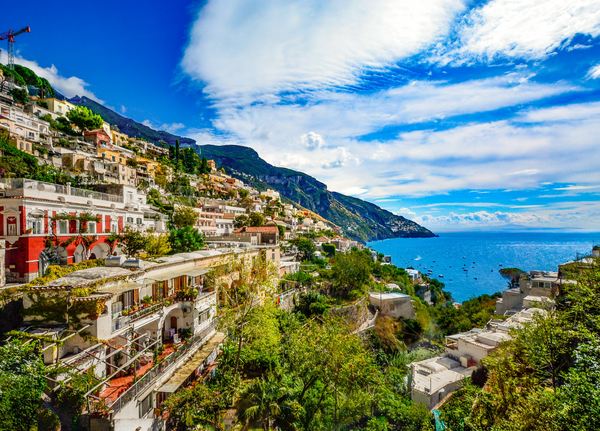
(261, 401)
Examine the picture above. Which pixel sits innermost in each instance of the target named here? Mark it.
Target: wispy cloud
(241, 47)
(527, 29)
(69, 87)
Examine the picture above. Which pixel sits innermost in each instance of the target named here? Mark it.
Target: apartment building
(536, 287)
(166, 304)
(31, 211)
(431, 381)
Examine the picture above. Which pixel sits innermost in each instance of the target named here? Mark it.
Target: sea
(468, 263)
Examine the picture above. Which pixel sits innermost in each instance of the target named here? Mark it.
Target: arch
(100, 250)
(52, 256)
(79, 254)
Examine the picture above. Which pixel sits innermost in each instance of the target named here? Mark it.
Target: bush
(48, 421)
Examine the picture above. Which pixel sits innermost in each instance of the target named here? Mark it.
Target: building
(168, 305)
(393, 304)
(61, 107)
(31, 212)
(536, 287)
(265, 235)
(413, 274)
(119, 138)
(25, 129)
(274, 195)
(98, 137)
(433, 380)
(212, 166)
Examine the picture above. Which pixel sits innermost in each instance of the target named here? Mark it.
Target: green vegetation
(185, 216)
(546, 377)
(186, 239)
(85, 119)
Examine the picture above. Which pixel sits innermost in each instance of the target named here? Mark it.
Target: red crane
(10, 36)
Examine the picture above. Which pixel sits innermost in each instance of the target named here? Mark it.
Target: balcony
(165, 365)
(27, 187)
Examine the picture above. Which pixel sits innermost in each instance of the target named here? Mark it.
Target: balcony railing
(120, 322)
(164, 366)
(24, 183)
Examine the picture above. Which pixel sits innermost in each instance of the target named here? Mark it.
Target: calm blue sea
(482, 253)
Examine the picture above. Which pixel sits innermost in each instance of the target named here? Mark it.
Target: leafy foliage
(186, 239)
(184, 216)
(85, 119)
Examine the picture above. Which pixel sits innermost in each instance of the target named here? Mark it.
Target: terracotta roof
(262, 229)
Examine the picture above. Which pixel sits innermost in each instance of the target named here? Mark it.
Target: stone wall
(288, 299)
(354, 314)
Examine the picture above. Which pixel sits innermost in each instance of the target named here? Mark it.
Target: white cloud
(529, 29)
(406, 213)
(242, 47)
(311, 141)
(594, 72)
(166, 127)
(123, 109)
(354, 191)
(69, 87)
(584, 215)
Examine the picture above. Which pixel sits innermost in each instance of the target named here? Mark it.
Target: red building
(46, 224)
(96, 136)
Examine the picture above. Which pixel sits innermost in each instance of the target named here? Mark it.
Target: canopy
(182, 374)
(191, 271)
(120, 288)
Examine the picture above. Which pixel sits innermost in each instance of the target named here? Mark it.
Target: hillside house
(30, 211)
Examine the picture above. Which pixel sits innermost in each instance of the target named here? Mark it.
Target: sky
(459, 115)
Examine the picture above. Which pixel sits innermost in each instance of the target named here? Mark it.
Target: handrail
(162, 367)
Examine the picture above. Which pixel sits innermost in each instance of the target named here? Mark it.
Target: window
(114, 158)
(31, 135)
(36, 226)
(139, 220)
(27, 147)
(103, 155)
(129, 219)
(12, 230)
(146, 405)
(120, 160)
(63, 227)
(21, 146)
(91, 227)
(114, 227)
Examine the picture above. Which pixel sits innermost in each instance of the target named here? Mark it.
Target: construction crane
(10, 36)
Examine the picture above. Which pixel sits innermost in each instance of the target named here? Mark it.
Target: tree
(241, 221)
(305, 246)
(281, 229)
(256, 219)
(243, 193)
(262, 401)
(185, 216)
(132, 241)
(329, 249)
(21, 385)
(20, 95)
(177, 151)
(199, 405)
(244, 282)
(84, 118)
(351, 271)
(157, 245)
(186, 239)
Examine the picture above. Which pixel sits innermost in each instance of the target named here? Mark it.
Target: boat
(475, 278)
(500, 264)
(441, 276)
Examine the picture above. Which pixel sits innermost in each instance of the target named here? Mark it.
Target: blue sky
(457, 114)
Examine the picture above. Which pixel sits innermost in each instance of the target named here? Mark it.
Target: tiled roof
(262, 229)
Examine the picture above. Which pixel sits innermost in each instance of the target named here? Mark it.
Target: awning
(120, 288)
(182, 374)
(191, 271)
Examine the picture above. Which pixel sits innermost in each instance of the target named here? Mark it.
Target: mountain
(129, 126)
(361, 220)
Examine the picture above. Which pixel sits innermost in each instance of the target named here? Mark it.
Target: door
(174, 323)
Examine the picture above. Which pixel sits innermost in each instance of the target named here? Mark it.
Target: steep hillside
(361, 220)
(129, 126)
